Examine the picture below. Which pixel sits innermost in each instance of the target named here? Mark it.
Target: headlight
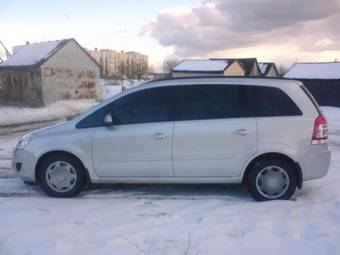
(26, 139)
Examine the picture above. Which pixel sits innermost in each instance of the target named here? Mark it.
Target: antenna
(7, 52)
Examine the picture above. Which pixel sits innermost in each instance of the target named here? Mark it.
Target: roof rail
(217, 77)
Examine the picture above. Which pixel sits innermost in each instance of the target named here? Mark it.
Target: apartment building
(129, 64)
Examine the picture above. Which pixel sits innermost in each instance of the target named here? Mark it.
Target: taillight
(320, 132)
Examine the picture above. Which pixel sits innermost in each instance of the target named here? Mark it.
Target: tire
(61, 176)
(271, 179)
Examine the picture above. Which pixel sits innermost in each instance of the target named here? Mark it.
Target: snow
(10, 115)
(7, 146)
(174, 219)
(113, 87)
(201, 66)
(31, 54)
(333, 117)
(109, 91)
(314, 71)
(119, 82)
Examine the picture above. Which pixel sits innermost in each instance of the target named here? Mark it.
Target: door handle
(242, 132)
(159, 136)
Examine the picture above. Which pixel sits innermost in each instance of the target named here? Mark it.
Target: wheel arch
(59, 152)
(275, 155)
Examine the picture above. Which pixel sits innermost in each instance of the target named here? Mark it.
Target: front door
(140, 140)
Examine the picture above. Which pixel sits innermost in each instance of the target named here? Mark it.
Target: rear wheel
(61, 176)
(271, 179)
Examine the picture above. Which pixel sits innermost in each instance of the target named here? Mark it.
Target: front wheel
(271, 179)
(61, 176)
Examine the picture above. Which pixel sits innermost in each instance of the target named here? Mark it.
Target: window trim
(177, 100)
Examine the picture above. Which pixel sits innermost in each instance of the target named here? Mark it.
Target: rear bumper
(315, 163)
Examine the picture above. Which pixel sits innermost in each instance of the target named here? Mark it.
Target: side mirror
(108, 120)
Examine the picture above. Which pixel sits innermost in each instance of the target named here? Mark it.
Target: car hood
(59, 127)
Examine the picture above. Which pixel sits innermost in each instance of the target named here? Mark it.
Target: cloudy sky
(283, 31)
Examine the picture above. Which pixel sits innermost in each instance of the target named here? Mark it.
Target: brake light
(320, 132)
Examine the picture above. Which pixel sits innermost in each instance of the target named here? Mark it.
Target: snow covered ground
(173, 219)
(113, 87)
(110, 90)
(7, 145)
(10, 115)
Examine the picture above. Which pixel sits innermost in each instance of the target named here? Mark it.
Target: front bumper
(315, 163)
(23, 165)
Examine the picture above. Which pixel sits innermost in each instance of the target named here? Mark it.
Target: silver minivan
(266, 133)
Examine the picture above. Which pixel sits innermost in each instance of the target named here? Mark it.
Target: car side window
(270, 101)
(245, 104)
(149, 105)
(145, 106)
(95, 119)
(206, 102)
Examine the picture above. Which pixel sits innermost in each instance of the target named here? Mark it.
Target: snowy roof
(32, 54)
(200, 65)
(326, 70)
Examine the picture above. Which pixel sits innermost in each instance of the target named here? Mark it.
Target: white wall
(70, 74)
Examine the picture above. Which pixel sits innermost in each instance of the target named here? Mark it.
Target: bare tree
(122, 70)
(168, 64)
(3, 56)
(282, 69)
(141, 70)
(131, 69)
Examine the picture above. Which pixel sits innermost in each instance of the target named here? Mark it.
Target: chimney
(27, 43)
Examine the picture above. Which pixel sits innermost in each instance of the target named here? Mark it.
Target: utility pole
(7, 52)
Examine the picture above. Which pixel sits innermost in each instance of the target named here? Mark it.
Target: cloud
(102, 37)
(220, 25)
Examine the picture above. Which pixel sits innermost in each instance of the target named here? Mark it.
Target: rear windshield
(311, 98)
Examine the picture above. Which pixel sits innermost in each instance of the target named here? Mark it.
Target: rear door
(280, 122)
(214, 134)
